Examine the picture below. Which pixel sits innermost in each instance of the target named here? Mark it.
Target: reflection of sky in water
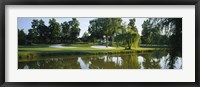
(116, 60)
(178, 63)
(82, 63)
(141, 60)
(26, 67)
(165, 60)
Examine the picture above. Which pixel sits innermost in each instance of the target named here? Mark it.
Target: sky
(25, 23)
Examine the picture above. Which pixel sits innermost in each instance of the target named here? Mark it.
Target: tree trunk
(106, 41)
(129, 46)
(117, 43)
(112, 43)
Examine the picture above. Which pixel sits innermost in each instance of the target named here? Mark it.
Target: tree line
(111, 31)
(66, 32)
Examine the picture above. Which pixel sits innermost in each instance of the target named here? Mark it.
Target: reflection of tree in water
(114, 62)
(104, 62)
(52, 63)
(174, 54)
(161, 59)
(130, 61)
(150, 62)
(147, 60)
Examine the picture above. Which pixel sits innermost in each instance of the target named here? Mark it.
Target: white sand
(59, 46)
(103, 47)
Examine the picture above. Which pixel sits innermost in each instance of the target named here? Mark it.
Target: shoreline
(45, 53)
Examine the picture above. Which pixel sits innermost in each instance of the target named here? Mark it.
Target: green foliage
(129, 37)
(44, 32)
(65, 32)
(32, 36)
(95, 32)
(55, 30)
(132, 38)
(131, 24)
(39, 33)
(104, 28)
(151, 34)
(74, 29)
(85, 37)
(21, 37)
(172, 28)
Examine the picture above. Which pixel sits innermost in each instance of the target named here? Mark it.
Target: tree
(107, 27)
(35, 24)
(55, 30)
(85, 37)
(132, 38)
(95, 30)
(74, 29)
(151, 34)
(129, 36)
(115, 26)
(21, 37)
(33, 33)
(131, 24)
(32, 36)
(146, 33)
(43, 32)
(173, 28)
(65, 31)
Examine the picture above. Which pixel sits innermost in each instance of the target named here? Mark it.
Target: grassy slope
(44, 50)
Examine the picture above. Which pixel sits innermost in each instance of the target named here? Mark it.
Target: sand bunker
(59, 46)
(103, 47)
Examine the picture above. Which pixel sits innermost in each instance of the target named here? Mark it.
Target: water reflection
(151, 60)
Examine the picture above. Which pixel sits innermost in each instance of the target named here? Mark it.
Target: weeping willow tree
(130, 37)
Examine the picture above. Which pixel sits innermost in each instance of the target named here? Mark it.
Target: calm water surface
(150, 60)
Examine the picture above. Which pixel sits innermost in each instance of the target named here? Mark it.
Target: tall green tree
(85, 37)
(131, 24)
(105, 28)
(34, 31)
(146, 32)
(173, 28)
(152, 33)
(65, 32)
(132, 38)
(21, 37)
(55, 30)
(43, 32)
(74, 29)
(32, 36)
(116, 24)
(95, 30)
(35, 24)
(105, 25)
(129, 37)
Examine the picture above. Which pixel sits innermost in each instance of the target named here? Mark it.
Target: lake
(145, 60)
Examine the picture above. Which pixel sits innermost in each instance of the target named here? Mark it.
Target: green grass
(43, 50)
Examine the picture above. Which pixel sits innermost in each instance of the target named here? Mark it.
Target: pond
(145, 60)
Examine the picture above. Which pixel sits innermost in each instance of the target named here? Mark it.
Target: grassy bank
(34, 51)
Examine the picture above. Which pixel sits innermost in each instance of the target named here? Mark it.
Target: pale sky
(25, 23)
